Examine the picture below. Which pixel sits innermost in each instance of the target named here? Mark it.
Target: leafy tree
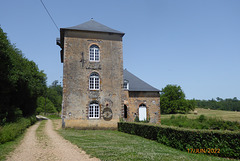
(5, 84)
(44, 105)
(54, 94)
(21, 82)
(172, 100)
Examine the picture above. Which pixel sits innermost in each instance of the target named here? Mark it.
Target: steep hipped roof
(136, 84)
(94, 26)
(91, 26)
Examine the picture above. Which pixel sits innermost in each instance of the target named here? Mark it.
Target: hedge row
(12, 130)
(224, 143)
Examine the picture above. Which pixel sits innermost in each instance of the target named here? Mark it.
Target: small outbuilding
(140, 99)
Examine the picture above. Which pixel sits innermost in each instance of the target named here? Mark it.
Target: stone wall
(134, 99)
(76, 71)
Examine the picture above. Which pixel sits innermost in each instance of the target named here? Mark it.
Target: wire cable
(49, 15)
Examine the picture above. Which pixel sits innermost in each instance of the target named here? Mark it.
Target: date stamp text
(208, 150)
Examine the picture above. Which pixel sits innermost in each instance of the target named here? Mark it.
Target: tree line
(23, 87)
(229, 104)
(172, 100)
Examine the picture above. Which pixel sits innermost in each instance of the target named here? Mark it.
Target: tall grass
(8, 147)
(202, 122)
(12, 130)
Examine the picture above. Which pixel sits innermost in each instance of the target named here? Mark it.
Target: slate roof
(136, 84)
(94, 26)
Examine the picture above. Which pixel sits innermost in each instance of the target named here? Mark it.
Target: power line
(49, 15)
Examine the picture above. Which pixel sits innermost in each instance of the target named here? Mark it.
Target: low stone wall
(91, 124)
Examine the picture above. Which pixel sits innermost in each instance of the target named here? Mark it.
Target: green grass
(10, 131)
(53, 117)
(114, 145)
(202, 122)
(40, 131)
(225, 115)
(8, 147)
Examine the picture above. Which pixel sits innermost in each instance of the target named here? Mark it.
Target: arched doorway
(142, 112)
(125, 111)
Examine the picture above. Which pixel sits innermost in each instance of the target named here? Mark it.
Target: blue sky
(194, 44)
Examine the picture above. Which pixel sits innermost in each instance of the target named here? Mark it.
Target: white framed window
(93, 111)
(94, 81)
(125, 85)
(94, 53)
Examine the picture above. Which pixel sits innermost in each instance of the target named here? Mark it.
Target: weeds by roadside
(8, 147)
(11, 131)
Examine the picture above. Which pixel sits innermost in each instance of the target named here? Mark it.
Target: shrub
(140, 129)
(136, 119)
(201, 118)
(12, 130)
(184, 139)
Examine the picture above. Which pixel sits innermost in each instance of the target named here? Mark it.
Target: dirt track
(49, 147)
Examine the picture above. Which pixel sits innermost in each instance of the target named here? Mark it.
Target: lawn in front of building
(115, 145)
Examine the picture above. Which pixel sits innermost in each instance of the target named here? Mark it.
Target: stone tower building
(97, 92)
(92, 59)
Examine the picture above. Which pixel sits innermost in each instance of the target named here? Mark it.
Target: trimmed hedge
(12, 130)
(225, 142)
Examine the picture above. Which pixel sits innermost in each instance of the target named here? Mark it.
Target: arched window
(93, 111)
(142, 112)
(94, 81)
(94, 53)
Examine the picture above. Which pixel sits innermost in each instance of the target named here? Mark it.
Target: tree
(21, 82)
(45, 105)
(54, 94)
(172, 100)
(221, 104)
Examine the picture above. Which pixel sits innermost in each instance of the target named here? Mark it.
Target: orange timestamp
(208, 150)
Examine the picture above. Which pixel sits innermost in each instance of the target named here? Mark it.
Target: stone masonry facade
(77, 69)
(108, 103)
(150, 99)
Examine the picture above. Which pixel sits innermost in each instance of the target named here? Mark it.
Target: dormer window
(94, 53)
(126, 85)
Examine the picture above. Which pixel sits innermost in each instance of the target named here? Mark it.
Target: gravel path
(49, 147)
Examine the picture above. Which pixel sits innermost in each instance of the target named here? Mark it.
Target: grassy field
(202, 122)
(225, 115)
(114, 145)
